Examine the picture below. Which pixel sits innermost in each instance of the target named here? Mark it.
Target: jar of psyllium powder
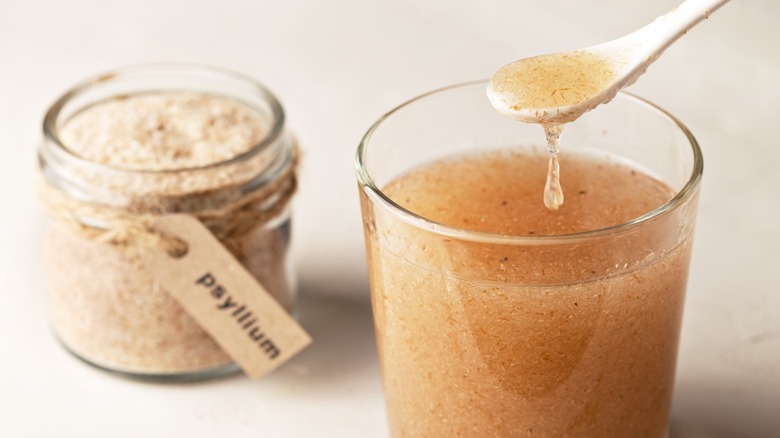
(121, 150)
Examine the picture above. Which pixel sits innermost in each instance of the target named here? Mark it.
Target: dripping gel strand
(553, 194)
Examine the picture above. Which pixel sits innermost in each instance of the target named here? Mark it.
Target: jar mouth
(377, 196)
(56, 147)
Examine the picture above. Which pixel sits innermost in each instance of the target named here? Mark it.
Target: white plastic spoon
(558, 88)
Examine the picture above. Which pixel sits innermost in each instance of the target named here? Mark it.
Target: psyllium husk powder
(122, 150)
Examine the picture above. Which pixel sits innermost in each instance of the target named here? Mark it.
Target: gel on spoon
(558, 88)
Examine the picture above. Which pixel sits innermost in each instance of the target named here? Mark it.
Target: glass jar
(105, 306)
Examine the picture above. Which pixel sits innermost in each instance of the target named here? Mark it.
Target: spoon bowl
(558, 88)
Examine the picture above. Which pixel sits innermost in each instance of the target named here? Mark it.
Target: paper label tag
(225, 299)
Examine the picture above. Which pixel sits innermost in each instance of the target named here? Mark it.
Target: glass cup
(494, 335)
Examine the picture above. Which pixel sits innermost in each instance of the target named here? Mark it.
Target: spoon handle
(654, 38)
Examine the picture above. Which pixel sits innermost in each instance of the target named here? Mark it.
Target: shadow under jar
(124, 148)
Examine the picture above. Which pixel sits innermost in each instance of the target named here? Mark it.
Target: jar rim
(57, 148)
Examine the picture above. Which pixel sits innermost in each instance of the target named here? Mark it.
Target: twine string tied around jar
(123, 228)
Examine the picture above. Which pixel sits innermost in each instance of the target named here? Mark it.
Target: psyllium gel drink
(545, 339)
(497, 316)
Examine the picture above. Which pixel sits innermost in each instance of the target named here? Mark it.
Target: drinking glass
(485, 334)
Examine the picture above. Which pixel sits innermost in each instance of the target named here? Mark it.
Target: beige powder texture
(163, 131)
(106, 306)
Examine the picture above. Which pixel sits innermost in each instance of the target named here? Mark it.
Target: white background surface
(337, 66)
